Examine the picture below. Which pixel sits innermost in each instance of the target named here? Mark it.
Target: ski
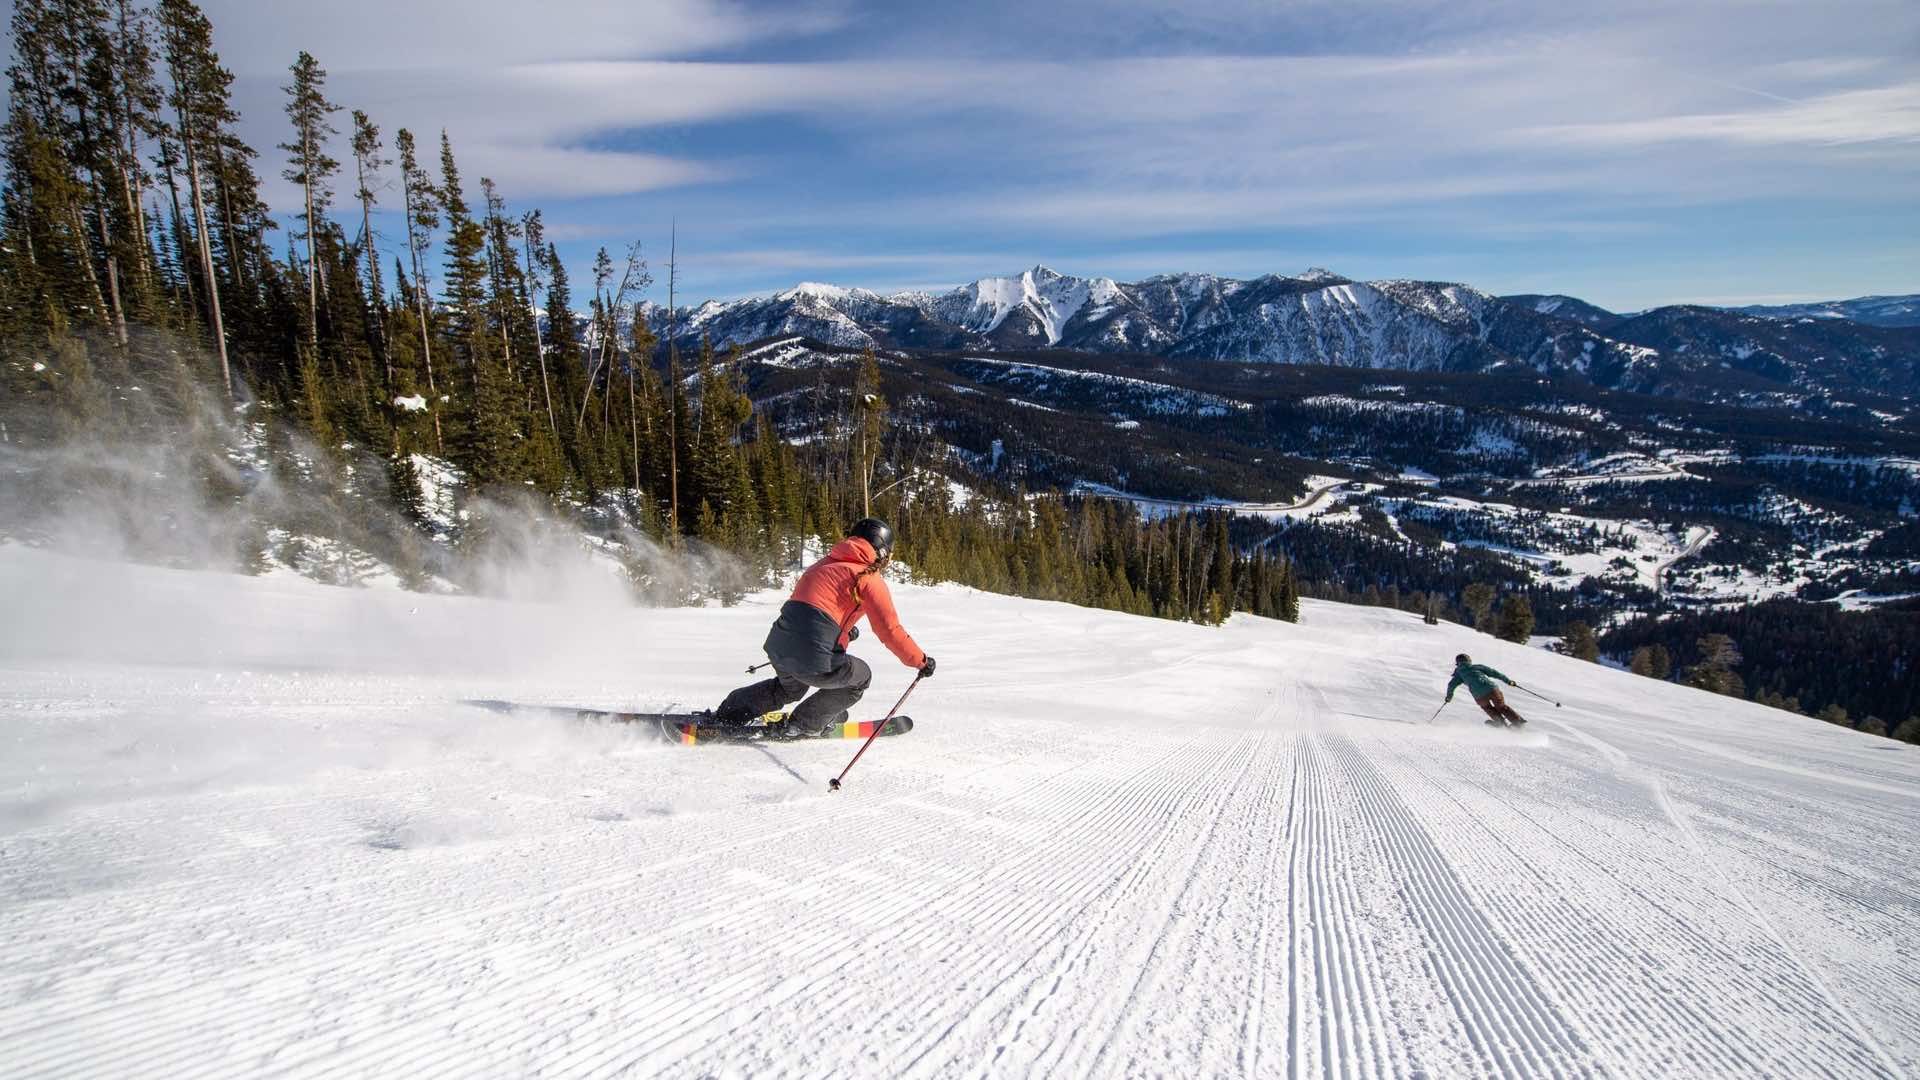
(691, 731)
(697, 728)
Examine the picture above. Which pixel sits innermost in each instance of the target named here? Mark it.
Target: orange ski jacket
(841, 587)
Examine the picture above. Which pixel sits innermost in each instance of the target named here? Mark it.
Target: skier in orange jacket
(808, 643)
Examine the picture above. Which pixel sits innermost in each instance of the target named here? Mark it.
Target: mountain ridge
(1321, 317)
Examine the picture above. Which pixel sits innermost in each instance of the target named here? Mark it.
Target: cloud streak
(901, 129)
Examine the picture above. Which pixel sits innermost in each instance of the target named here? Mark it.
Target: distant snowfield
(248, 829)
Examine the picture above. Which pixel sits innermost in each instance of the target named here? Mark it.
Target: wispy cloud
(1880, 115)
(866, 137)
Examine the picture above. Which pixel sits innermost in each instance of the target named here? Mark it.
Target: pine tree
(199, 98)
(533, 234)
(419, 199)
(1719, 656)
(1516, 619)
(309, 166)
(128, 80)
(466, 270)
(1579, 642)
(1478, 599)
(1289, 594)
(1909, 730)
(490, 451)
(1220, 577)
(367, 163)
(50, 281)
(565, 347)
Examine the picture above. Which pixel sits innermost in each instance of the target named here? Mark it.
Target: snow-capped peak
(1050, 297)
(820, 290)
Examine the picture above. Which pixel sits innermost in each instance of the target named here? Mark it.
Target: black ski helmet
(875, 532)
(1463, 658)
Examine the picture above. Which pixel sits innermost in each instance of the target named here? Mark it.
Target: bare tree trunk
(130, 153)
(633, 413)
(420, 311)
(673, 387)
(373, 274)
(313, 263)
(602, 347)
(673, 447)
(234, 260)
(179, 231)
(866, 474)
(540, 346)
(206, 260)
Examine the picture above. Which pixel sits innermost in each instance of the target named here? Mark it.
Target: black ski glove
(926, 669)
(853, 633)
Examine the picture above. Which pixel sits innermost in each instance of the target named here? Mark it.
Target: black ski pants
(838, 688)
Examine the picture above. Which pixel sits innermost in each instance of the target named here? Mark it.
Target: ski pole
(751, 668)
(834, 784)
(1436, 713)
(1542, 697)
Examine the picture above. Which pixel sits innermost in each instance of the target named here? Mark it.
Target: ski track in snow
(253, 832)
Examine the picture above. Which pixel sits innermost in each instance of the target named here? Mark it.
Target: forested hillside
(299, 375)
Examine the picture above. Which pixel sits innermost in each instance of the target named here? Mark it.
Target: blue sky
(1632, 153)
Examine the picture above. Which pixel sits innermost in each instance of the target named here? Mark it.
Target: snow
(1351, 404)
(416, 403)
(248, 828)
(1861, 600)
(1165, 398)
(1314, 504)
(1623, 467)
(1051, 298)
(440, 486)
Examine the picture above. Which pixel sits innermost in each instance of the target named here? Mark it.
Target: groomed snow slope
(246, 829)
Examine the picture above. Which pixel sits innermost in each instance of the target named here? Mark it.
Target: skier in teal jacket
(1478, 679)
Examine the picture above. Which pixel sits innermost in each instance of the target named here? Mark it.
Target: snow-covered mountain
(1561, 306)
(1871, 310)
(1319, 317)
(1316, 317)
(251, 827)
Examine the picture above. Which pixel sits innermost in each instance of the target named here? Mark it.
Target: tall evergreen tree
(367, 163)
(419, 199)
(533, 235)
(1719, 657)
(309, 166)
(1516, 619)
(1478, 599)
(199, 98)
(466, 269)
(1580, 643)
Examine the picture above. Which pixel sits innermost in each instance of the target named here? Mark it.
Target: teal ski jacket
(1478, 679)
